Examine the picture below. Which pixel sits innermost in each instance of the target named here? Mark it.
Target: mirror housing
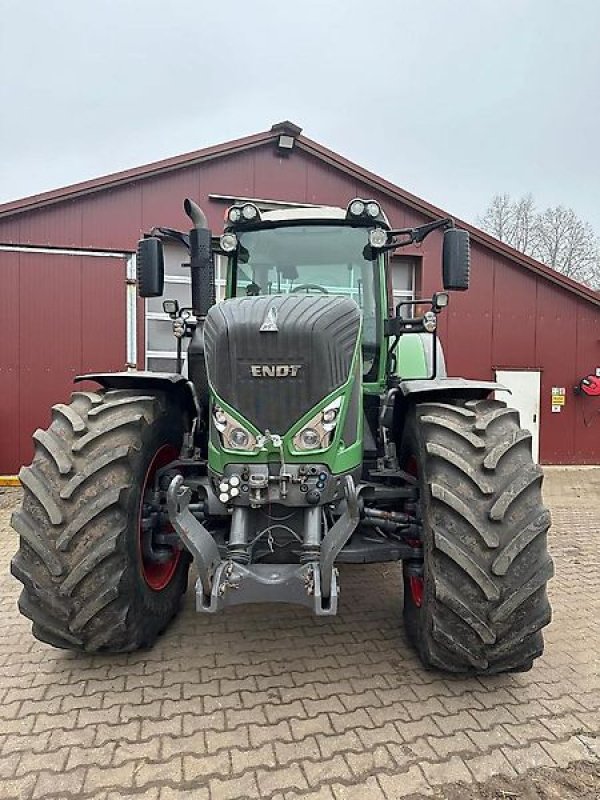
(456, 260)
(150, 267)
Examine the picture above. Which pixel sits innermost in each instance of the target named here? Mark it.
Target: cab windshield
(314, 259)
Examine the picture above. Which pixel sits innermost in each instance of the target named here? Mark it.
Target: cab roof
(314, 214)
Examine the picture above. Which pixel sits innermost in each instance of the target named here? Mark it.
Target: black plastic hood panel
(275, 375)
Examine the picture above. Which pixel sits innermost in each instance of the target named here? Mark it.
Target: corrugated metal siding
(326, 185)
(104, 314)
(9, 362)
(510, 318)
(62, 224)
(10, 231)
(162, 199)
(102, 228)
(60, 315)
(231, 176)
(586, 359)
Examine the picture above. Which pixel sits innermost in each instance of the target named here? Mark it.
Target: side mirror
(456, 259)
(150, 267)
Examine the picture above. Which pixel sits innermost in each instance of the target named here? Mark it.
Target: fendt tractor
(308, 424)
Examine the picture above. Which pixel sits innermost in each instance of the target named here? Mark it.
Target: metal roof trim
(111, 180)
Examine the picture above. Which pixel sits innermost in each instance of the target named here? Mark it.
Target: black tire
(79, 557)
(486, 562)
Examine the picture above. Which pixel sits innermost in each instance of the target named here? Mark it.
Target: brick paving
(272, 703)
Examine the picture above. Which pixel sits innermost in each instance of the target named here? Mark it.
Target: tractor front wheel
(96, 576)
(477, 601)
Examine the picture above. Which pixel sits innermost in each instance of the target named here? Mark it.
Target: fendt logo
(274, 370)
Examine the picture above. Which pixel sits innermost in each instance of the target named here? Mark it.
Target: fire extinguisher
(590, 385)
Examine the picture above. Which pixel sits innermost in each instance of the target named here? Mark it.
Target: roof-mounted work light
(247, 212)
(367, 209)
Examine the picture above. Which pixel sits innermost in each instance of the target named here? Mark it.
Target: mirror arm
(416, 235)
(170, 234)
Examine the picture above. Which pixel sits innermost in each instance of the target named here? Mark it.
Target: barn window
(404, 279)
(160, 343)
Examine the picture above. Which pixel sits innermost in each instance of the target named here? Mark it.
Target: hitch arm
(337, 536)
(192, 532)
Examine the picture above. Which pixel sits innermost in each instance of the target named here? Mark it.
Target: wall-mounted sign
(559, 398)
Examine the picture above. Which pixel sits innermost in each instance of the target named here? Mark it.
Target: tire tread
(485, 532)
(75, 554)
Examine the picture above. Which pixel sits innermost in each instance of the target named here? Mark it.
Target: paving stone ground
(273, 703)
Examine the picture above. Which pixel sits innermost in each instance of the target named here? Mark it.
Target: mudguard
(415, 365)
(169, 382)
(449, 387)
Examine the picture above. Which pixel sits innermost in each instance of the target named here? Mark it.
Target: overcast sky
(451, 99)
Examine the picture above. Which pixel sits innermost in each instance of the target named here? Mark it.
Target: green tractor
(315, 426)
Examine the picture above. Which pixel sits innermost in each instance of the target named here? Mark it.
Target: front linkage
(227, 581)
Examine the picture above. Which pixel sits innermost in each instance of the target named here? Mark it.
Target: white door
(525, 397)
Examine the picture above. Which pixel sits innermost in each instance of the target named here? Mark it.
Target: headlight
(357, 207)
(429, 321)
(233, 435)
(249, 212)
(373, 209)
(228, 242)
(318, 432)
(239, 438)
(378, 237)
(309, 439)
(234, 214)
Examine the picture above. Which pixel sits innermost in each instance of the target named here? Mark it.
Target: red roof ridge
(308, 145)
(125, 176)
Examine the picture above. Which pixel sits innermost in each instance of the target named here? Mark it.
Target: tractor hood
(274, 358)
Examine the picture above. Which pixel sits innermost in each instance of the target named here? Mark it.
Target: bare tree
(568, 244)
(556, 236)
(498, 218)
(524, 225)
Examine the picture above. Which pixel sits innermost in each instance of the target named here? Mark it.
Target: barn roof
(315, 149)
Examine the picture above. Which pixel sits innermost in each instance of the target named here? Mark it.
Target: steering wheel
(307, 287)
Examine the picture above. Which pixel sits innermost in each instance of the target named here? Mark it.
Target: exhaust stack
(201, 263)
(203, 297)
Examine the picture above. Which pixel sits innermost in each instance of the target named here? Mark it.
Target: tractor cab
(322, 251)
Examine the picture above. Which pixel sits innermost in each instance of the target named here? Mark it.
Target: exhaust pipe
(195, 213)
(201, 263)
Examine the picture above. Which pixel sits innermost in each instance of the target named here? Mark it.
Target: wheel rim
(416, 583)
(157, 575)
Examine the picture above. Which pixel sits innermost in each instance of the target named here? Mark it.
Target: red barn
(68, 304)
